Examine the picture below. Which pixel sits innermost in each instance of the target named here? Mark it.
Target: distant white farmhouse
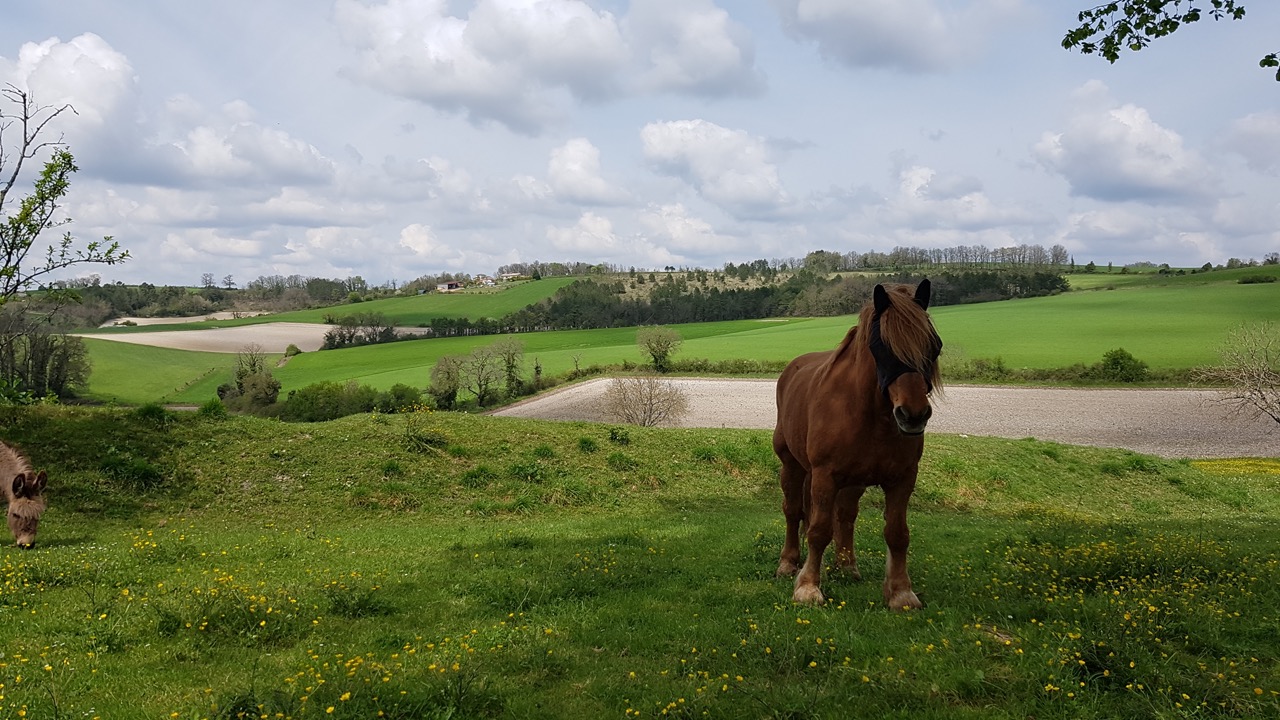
(451, 286)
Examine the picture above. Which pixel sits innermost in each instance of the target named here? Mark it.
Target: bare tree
(40, 210)
(645, 400)
(481, 371)
(659, 343)
(1250, 370)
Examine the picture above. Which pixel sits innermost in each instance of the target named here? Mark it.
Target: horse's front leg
(846, 519)
(898, 594)
(818, 525)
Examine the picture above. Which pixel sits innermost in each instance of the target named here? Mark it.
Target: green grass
(1168, 322)
(137, 374)
(404, 311)
(199, 568)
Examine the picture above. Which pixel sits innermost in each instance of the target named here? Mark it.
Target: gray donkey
(24, 492)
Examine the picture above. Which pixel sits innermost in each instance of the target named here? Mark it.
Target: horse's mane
(905, 328)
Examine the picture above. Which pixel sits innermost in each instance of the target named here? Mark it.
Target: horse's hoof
(904, 600)
(808, 595)
(786, 568)
(853, 571)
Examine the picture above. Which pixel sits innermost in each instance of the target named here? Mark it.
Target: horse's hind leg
(793, 479)
(846, 518)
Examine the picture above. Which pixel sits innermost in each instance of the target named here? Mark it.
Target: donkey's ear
(42, 479)
(19, 485)
(922, 294)
(880, 297)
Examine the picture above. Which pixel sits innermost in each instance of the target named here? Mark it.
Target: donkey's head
(26, 504)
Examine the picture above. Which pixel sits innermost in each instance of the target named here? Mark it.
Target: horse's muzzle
(909, 423)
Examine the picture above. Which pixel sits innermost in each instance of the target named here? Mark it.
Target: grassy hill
(195, 567)
(404, 311)
(1169, 322)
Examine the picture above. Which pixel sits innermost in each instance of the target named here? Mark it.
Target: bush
(1120, 366)
(213, 409)
(400, 398)
(328, 401)
(1256, 279)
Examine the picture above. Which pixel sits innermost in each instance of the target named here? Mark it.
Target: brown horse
(851, 418)
(23, 489)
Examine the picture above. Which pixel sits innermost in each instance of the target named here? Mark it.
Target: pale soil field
(271, 337)
(1168, 423)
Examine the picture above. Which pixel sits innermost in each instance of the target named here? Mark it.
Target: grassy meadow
(1169, 322)
(438, 565)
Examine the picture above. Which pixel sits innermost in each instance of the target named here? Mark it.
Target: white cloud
(592, 235)
(910, 35)
(1256, 138)
(426, 245)
(1121, 153)
(927, 199)
(509, 61)
(730, 168)
(671, 227)
(574, 174)
(691, 46)
(201, 244)
(522, 63)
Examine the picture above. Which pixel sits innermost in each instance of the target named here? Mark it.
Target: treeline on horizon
(593, 303)
(103, 301)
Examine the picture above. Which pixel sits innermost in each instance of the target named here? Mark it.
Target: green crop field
(1169, 322)
(403, 311)
(448, 566)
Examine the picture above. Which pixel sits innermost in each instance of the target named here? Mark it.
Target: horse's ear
(42, 479)
(880, 297)
(922, 294)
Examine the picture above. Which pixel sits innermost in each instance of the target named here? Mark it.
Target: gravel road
(1168, 423)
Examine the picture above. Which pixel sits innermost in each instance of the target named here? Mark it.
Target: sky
(391, 139)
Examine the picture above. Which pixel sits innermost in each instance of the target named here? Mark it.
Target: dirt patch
(1168, 423)
(271, 337)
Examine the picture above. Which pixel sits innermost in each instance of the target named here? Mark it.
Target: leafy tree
(511, 352)
(659, 343)
(1250, 370)
(1111, 28)
(39, 211)
(446, 381)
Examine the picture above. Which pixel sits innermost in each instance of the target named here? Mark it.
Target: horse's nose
(909, 423)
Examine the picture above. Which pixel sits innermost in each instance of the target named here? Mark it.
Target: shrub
(400, 398)
(154, 413)
(1256, 279)
(1120, 366)
(328, 401)
(213, 409)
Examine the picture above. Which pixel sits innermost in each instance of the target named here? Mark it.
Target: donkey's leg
(846, 518)
(818, 534)
(792, 478)
(898, 594)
